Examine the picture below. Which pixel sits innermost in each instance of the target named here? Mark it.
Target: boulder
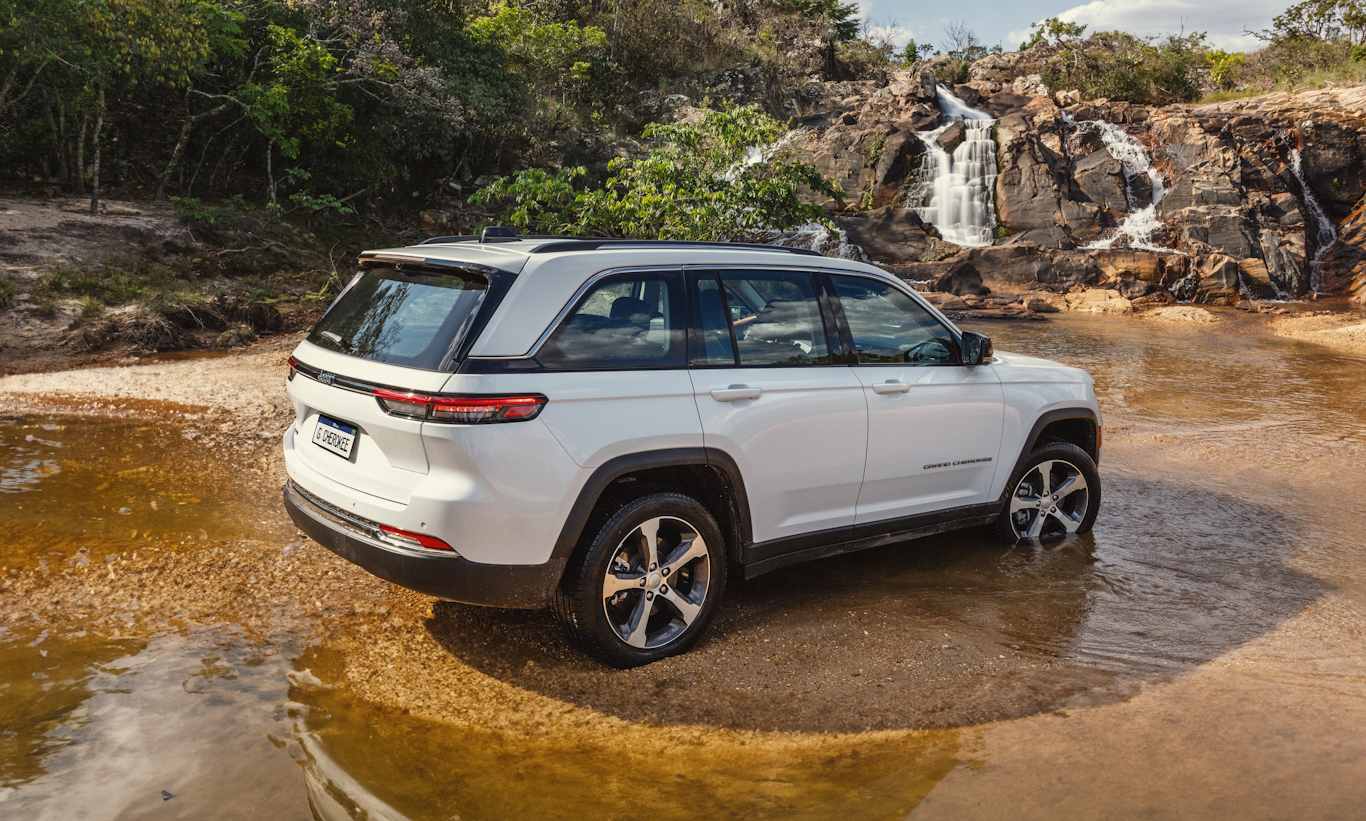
(1101, 179)
(1099, 301)
(1256, 278)
(1116, 263)
(952, 137)
(1219, 283)
(1024, 267)
(891, 234)
(962, 279)
(1286, 267)
(900, 161)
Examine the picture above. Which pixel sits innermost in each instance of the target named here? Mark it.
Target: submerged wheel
(1055, 494)
(646, 584)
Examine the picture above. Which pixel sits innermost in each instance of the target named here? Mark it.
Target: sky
(1008, 21)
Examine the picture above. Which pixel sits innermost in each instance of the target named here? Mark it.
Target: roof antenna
(497, 233)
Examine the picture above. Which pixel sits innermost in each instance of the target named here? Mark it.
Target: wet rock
(1256, 278)
(1332, 162)
(952, 137)
(890, 234)
(962, 279)
(1101, 179)
(1285, 261)
(1218, 279)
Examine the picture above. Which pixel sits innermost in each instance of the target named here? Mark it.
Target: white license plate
(335, 436)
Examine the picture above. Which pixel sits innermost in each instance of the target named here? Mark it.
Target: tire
(1035, 516)
(655, 606)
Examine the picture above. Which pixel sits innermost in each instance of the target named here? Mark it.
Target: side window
(711, 343)
(889, 326)
(630, 320)
(775, 318)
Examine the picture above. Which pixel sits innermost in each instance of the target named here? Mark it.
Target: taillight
(407, 538)
(461, 410)
(293, 369)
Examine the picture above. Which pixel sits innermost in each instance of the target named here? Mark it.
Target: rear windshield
(412, 318)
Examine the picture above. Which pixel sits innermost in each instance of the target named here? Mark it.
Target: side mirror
(976, 348)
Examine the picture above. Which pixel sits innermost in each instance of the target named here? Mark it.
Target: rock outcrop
(1255, 198)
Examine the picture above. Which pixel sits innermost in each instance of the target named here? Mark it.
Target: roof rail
(480, 238)
(593, 244)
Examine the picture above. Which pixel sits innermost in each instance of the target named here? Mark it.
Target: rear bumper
(447, 577)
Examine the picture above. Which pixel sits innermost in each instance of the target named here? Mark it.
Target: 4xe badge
(325, 377)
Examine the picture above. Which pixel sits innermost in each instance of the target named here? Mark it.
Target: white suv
(614, 428)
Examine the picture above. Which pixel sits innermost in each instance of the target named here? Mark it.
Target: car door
(934, 425)
(773, 398)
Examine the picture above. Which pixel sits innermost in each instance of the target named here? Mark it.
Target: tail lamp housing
(461, 410)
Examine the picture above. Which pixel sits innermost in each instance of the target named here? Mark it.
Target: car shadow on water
(952, 630)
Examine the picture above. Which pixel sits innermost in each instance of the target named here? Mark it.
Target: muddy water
(1202, 652)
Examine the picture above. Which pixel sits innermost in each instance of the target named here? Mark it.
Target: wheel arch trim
(613, 469)
(1044, 420)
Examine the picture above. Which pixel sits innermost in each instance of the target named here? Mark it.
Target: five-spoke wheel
(644, 584)
(1056, 493)
(657, 582)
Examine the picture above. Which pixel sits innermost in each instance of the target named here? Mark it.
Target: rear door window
(775, 318)
(413, 318)
(625, 321)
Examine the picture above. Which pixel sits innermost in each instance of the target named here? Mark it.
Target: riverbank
(930, 677)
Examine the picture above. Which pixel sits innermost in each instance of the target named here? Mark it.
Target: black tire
(1072, 514)
(677, 600)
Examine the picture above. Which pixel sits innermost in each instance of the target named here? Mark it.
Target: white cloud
(1225, 22)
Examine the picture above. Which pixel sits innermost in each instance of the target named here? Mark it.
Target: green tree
(727, 177)
(556, 58)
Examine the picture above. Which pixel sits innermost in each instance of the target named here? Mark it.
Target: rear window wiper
(346, 344)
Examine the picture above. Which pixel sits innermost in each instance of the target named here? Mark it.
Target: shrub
(727, 177)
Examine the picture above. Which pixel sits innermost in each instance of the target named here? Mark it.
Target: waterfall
(1327, 234)
(1137, 228)
(961, 187)
(818, 238)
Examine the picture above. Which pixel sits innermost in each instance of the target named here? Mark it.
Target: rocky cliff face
(1260, 197)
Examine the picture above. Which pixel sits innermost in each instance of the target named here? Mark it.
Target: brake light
(293, 369)
(407, 538)
(461, 410)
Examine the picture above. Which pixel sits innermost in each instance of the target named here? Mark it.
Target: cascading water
(818, 238)
(961, 187)
(1327, 234)
(1137, 228)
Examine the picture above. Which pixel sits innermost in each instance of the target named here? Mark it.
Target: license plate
(335, 436)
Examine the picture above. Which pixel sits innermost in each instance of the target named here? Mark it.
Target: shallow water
(1215, 617)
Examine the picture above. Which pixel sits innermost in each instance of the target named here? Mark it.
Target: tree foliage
(727, 177)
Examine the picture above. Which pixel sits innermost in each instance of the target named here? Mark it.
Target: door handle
(735, 393)
(891, 387)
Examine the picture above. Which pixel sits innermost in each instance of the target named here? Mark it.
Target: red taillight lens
(461, 410)
(293, 369)
(406, 538)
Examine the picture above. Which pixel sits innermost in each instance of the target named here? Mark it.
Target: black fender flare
(613, 469)
(1044, 420)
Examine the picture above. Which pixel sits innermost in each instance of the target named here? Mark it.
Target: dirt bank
(1336, 330)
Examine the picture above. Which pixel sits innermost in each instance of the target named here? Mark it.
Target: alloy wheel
(657, 582)
(1050, 501)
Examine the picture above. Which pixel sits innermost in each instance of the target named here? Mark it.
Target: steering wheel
(916, 353)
